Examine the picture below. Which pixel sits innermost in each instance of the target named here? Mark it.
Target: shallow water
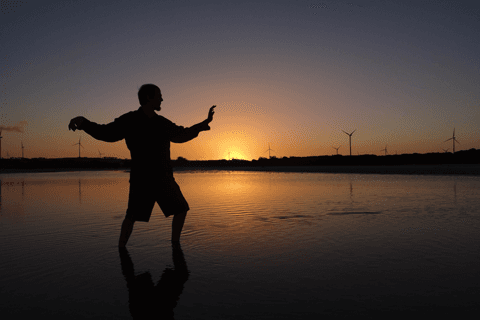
(255, 245)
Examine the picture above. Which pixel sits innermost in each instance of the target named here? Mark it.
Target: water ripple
(352, 212)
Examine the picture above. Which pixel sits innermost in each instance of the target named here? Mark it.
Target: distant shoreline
(465, 162)
(440, 169)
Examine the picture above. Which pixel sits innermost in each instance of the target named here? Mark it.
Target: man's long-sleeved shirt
(148, 140)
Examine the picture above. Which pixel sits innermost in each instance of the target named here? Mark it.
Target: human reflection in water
(149, 301)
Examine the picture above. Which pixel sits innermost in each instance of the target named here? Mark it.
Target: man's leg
(127, 227)
(177, 225)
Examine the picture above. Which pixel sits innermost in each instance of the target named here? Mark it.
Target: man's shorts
(142, 198)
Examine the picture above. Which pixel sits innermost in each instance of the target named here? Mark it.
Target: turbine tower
(386, 152)
(350, 138)
(453, 140)
(22, 148)
(79, 145)
(100, 153)
(336, 149)
(269, 151)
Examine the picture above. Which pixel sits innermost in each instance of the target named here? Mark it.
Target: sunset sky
(294, 74)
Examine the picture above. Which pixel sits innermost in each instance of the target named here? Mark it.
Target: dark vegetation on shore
(471, 156)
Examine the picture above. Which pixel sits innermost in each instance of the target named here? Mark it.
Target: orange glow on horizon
(234, 154)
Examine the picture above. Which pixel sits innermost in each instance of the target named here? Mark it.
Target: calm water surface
(255, 245)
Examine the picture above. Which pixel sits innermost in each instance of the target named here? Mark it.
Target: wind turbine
(269, 151)
(22, 148)
(100, 153)
(336, 149)
(445, 150)
(350, 138)
(386, 152)
(79, 145)
(453, 140)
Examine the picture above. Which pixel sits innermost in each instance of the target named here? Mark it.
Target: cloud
(17, 128)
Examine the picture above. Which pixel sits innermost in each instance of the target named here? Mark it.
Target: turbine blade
(448, 140)
(353, 131)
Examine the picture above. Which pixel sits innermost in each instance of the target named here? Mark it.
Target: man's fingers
(211, 112)
(72, 124)
(75, 123)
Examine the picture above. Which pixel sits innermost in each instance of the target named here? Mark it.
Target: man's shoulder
(129, 115)
(139, 116)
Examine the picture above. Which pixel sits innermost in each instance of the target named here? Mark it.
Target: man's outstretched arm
(192, 132)
(111, 132)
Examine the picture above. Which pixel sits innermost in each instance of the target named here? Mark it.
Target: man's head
(150, 94)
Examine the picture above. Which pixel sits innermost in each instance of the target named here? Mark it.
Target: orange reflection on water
(229, 207)
(39, 195)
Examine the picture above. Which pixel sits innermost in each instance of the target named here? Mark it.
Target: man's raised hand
(210, 114)
(76, 123)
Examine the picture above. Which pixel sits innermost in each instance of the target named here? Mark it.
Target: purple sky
(290, 73)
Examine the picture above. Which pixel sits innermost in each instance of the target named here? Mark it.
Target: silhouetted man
(148, 136)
